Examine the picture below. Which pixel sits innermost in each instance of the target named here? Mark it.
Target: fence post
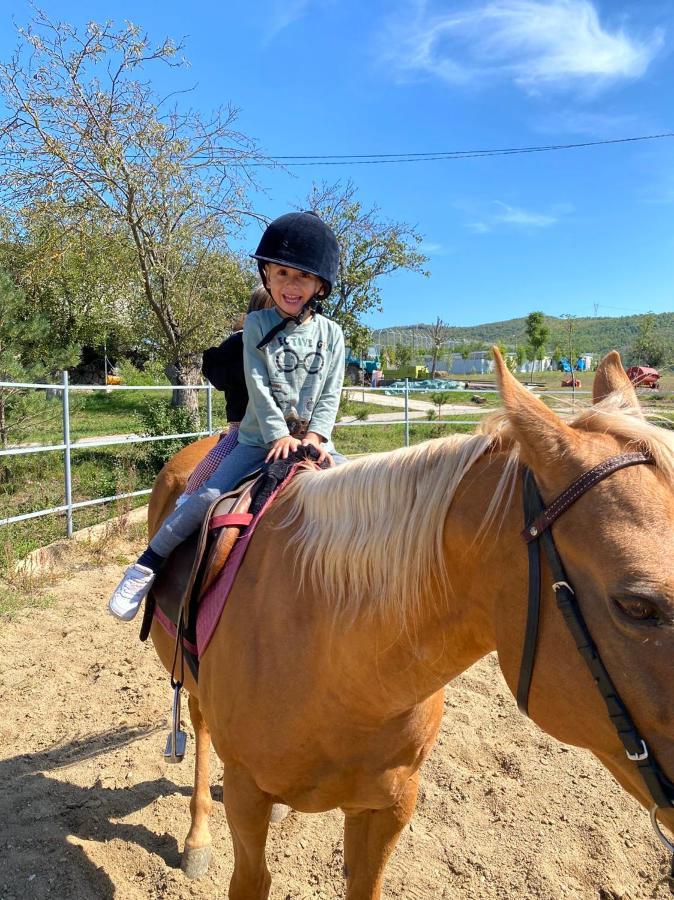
(209, 407)
(66, 456)
(407, 412)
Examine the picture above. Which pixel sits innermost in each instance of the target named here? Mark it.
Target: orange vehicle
(643, 376)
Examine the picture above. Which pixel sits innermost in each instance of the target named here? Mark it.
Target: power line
(450, 153)
(229, 156)
(361, 159)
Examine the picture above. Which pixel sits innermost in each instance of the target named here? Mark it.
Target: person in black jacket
(223, 367)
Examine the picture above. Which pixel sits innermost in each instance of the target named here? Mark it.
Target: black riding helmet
(302, 241)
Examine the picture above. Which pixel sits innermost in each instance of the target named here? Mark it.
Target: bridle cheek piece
(538, 518)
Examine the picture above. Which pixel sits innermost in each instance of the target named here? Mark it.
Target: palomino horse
(368, 587)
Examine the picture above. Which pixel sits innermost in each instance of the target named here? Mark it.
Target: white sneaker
(131, 591)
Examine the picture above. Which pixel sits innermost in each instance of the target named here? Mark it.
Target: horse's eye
(641, 610)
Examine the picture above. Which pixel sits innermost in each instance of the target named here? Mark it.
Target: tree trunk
(181, 372)
(434, 365)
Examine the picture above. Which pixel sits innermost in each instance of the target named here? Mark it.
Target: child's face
(290, 288)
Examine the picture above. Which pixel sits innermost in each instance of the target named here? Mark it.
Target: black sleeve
(213, 365)
(223, 366)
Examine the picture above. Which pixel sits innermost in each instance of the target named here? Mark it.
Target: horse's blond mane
(371, 534)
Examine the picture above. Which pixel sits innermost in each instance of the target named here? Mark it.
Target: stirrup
(177, 739)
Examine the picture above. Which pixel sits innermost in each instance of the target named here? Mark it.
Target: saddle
(195, 565)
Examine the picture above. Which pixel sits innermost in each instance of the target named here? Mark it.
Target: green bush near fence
(159, 418)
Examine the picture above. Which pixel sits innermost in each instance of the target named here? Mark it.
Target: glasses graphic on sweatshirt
(287, 360)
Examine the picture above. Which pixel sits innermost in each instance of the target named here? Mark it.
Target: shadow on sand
(41, 815)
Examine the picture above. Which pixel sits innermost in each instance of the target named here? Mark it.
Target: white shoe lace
(134, 584)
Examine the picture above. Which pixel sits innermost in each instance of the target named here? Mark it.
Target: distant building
(540, 365)
(479, 362)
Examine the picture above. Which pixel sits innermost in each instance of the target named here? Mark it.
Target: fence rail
(68, 446)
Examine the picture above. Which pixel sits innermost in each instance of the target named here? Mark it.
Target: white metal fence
(67, 447)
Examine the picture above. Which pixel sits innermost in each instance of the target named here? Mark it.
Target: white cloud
(512, 215)
(432, 249)
(283, 14)
(534, 43)
(503, 215)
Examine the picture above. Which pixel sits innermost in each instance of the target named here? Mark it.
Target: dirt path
(91, 811)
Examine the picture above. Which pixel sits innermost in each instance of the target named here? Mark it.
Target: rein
(537, 532)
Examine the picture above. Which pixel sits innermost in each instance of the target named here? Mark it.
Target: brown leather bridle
(537, 532)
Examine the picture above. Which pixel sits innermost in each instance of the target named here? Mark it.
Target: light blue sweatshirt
(300, 370)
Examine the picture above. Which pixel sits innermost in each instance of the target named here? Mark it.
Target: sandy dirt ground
(91, 811)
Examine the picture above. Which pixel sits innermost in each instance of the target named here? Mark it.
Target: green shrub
(160, 418)
(151, 373)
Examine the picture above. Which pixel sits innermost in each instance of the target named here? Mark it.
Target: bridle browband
(538, 519)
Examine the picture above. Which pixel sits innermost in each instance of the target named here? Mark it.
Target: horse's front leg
(248, 810)
(369, 840)
(197, 853)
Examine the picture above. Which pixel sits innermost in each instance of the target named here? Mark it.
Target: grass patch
(358, 409)
(379, 438)
(13, 601)
(349, 406)
(492, 401)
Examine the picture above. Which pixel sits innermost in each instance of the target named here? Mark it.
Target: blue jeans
(184, 521)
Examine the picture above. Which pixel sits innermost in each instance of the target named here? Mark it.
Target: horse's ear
(611, 378)
(544, 439)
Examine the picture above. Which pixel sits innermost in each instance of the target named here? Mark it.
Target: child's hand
(314, 440)
(281, 448)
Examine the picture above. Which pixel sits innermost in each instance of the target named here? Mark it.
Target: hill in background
(590, 335)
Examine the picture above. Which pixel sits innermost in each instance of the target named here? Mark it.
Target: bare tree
(86, 130)
(439, 335)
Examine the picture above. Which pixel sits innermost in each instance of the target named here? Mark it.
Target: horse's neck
(457, 621)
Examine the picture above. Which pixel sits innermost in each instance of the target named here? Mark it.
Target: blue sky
(575, 231)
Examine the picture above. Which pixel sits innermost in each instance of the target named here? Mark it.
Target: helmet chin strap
(310, 308)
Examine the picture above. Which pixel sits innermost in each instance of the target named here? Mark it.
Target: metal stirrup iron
(177, 738)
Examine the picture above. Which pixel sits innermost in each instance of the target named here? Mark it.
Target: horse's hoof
(278, 812)
(195, 861)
